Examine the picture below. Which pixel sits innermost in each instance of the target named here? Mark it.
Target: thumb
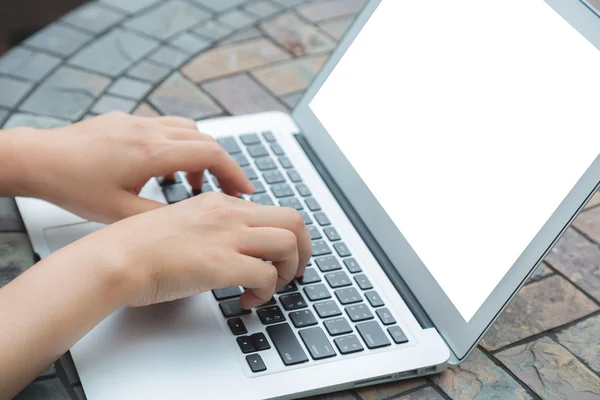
(129, 204)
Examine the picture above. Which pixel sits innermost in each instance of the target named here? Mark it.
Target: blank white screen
(470, 121)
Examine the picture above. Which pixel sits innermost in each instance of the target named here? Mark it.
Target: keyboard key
(303, 318)
(270, 315)
(317, 344)
(166, 182)
(237, 326)
(317, 292)
(342, 249)
(271, 302)
(322, 219)
(314, 233)
(327, 309)
(290, 287)
(205, 189)
(250, 173)
(285, 162)
(259, 188)
(374, 299)
(292, 301)
(227, 293)
(363, 282)
(310, 276)
(373, 335)
(320, 248)
(277, 150)
(348, 344)
(249, 139)
(268, 135)
(348, 296)
(359, 312)
(332, 234)
(303, 190)
(312, 204)
(257, 151)
(306, 218)
(352, 265)
(327, 264)
(273, 177)
(337, 326)
(255, 362)
(245, 344)
(175, 193)
(385, 316)
(291, 202)
(260, 341)
(230, 145)
(338, 279)
(294, 176)
(282, 190)
(232, 308)
(242, 160)
(287, 345)
(262, 199)
(397, 334)
(265, 163)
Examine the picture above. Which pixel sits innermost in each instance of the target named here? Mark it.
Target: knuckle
(271, 276)
(288, 242)
(296, 219)
(214, 150)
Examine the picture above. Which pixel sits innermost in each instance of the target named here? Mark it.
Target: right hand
(207, 242)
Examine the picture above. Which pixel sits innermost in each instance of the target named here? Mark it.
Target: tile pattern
(203, 58)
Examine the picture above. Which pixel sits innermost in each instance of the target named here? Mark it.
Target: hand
(96, 168)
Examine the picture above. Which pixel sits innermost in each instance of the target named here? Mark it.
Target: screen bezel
(460, 336)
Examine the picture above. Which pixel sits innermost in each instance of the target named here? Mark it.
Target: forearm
(13, 161)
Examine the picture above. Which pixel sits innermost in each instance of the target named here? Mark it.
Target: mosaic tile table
(205, 58)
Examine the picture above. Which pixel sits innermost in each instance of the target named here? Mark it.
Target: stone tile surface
(130, 6)
(579, 260)
(169, 57)
(67, 93)
(291, 3)
(213, 30)
(131, 88)
(333, 396)
(424, 394)
(60, 39)
(93, 17)
(290, 76)
(243, 35)
(114, 52)
(220, 5)
(589, 223)
(12, 91)
(538, 307)
(234, 58)
(389, 390)
(239, 94)
(34, 121)
(10, 219)
(237, 18)
(551, 371)
(16, 256)
(337, 27)
(168, 19)
(582, 340)
(144, 110)
(263, 8)
(108, 103)
(190, 43)
(296, 35)
(148, 71)
(327, 9)
(541, 272)
(26, 64)
(51, 389)
(594, 201)
(178, 96)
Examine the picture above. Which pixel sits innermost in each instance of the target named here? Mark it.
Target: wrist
(14, 171)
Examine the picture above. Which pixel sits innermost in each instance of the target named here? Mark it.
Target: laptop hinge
(365, 234)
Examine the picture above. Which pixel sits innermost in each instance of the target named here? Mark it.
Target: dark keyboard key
(262, 199)
(273, 177)
(306, 218)
(232, 308)
(317, 292)
(397, 334)
(312, 204)
(303, 190)
(327, 264)
(327, 309)
(338, 279)
(359, 312)
(268, 135)
(310, 276)
(348, 344)
(227, 293)
(245, 344)
(230, 145)
(317, 344)
(265, 163)
(363, 282)
(291, 202)
(237, 326)
(320, 248)
(385, 316)
(255, 362)
(270, 315)
(374, 299)
(352, 265)
(166, 182)
(242, 160)
(250, 173)
(285, 162)
(260, 341)
(249, 139)
(303, 318)
(271, 302)
(342, 250)
(322, 219)
(277, 150)
(332, 234)
(282, 190)
(259, 188)
(287, 345)
(314, 233)
(290, 287)
(257, 150)
(293, 301)
(373, 335)
(348, 296)
(337, 326)
(175, 193)
(294, 176)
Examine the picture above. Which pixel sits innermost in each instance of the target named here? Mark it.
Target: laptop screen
(470, 122)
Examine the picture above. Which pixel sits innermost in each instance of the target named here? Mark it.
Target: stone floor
(205, 58)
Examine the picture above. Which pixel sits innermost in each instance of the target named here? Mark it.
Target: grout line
(438, 389)
(554, 337)
(260, 84)
(575, 285)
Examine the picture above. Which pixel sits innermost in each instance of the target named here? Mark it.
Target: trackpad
(61, 236)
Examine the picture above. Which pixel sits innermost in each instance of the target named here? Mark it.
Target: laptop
(436, 159)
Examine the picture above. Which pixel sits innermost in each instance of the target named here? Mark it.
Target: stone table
(207, 58)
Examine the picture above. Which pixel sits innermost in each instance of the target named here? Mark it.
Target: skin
(150, 253)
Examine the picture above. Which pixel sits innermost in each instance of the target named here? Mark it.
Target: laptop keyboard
(333, 302)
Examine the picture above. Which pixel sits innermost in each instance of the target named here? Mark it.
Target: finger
(170, 177)
(177, 122)
(195, 179)
(185, 134)
(289, 219)
(259, 277)
(130, 204)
